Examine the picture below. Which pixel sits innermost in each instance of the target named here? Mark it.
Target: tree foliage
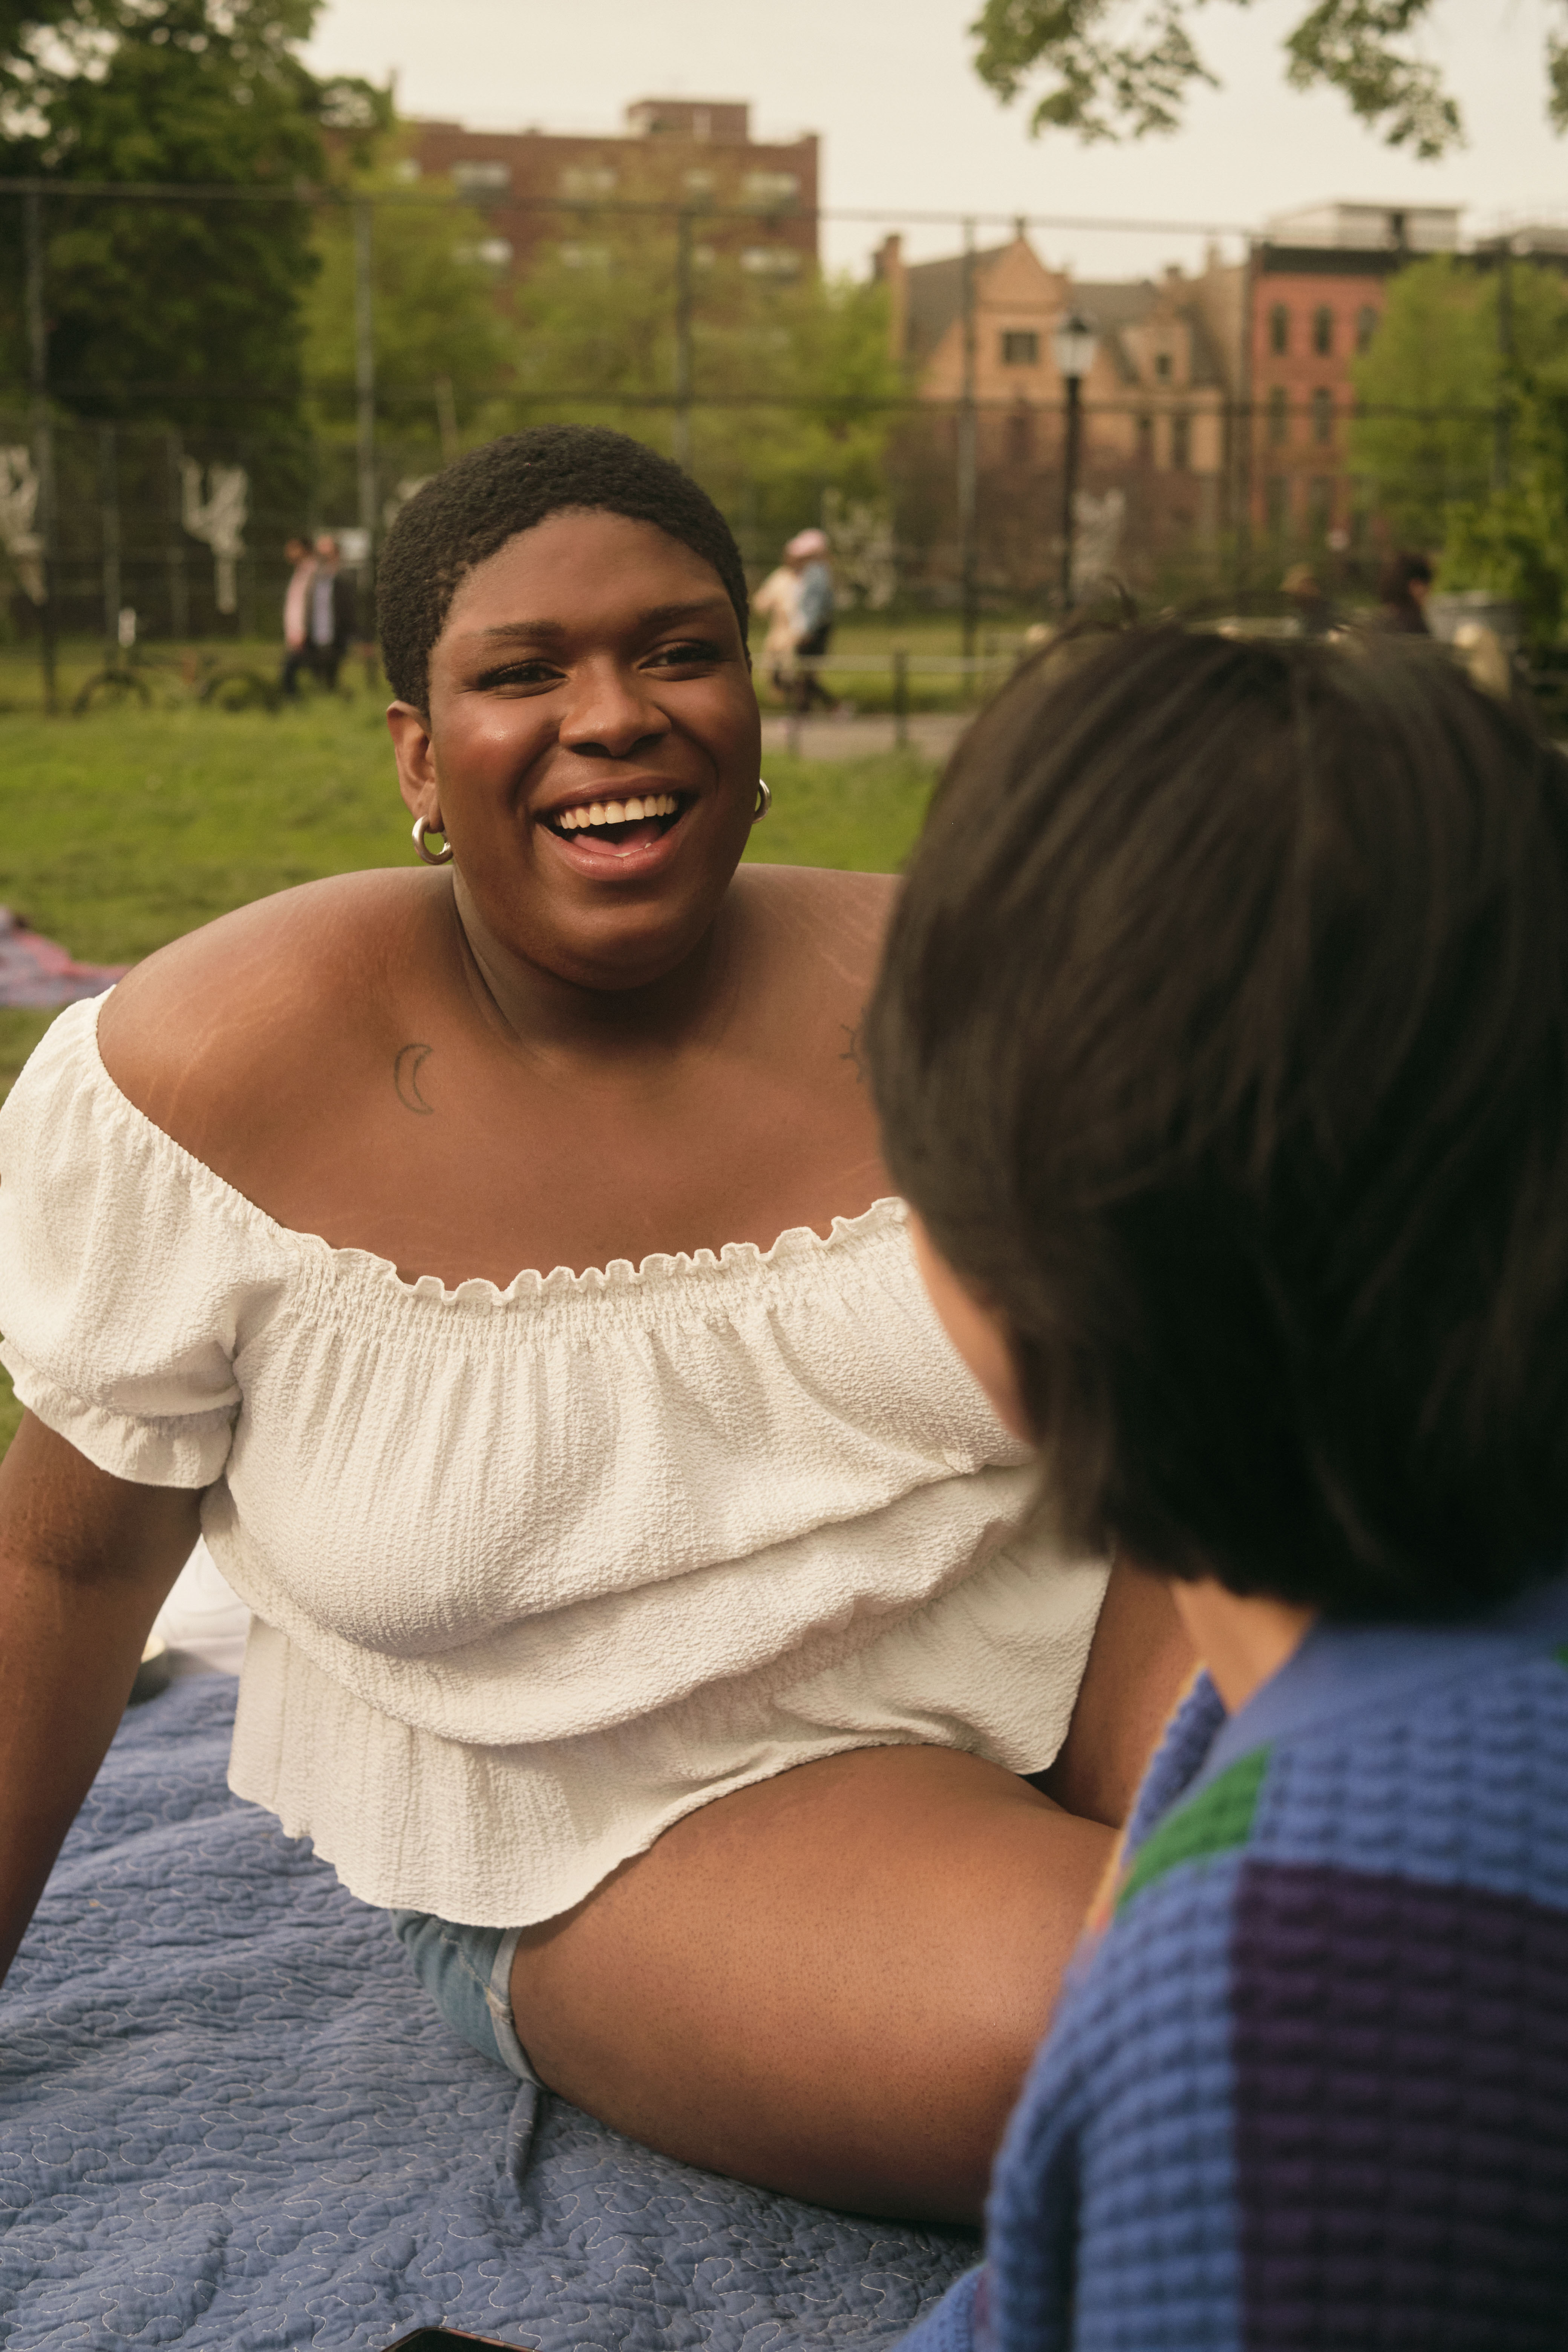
(443, 344)
(1122, 68)
(1433, 390)
(1461, 438)
(793, 385)
(1514, 542)
(183, 312)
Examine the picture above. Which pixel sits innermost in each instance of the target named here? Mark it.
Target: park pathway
(931, 733)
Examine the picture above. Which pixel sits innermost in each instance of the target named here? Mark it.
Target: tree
(1121, 68)
(1462, 436)
(1514, 542)
(181, 312)
(793, 385)
(444, 345)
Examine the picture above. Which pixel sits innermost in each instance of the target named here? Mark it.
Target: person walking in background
(807, 557)
(296, 613)
(1314, 612)
(1405, 587)
(331, 613)
(778, 601)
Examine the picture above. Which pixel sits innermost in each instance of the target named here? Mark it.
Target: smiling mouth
(634, 822)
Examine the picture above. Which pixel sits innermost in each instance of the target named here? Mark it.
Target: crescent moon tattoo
(411, 1060)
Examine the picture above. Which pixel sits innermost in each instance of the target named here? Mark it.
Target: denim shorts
(466, 1971)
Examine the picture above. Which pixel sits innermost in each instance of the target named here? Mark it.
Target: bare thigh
(830, 1984)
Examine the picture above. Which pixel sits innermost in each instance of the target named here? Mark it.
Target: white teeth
(629, 811)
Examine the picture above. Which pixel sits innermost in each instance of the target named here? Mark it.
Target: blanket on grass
(228, 2117)
(39, 973)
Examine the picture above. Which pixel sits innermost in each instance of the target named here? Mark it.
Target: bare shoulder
(229, 1021)
(839, 918)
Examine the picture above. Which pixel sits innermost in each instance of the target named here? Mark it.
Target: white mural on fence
(864, 558)
(18, 512)
(1098, 521)
(218, 520)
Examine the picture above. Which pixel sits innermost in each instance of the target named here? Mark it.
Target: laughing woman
(495, 1261)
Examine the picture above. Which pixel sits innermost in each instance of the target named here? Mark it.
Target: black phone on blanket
(436, 2339)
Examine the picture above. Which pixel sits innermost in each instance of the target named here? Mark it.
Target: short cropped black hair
(476, 504)
(1223, 1042)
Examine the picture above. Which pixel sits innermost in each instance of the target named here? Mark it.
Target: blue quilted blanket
(227, 2117)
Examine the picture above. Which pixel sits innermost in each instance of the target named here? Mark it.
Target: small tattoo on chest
(406, 1069)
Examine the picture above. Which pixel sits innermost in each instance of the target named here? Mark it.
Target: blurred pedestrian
(807, 555)
(778, 601)
(331, 601)
(1314, 616)
(1405, 587)
(296, 613)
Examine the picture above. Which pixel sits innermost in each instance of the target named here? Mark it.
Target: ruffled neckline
(734, 1259)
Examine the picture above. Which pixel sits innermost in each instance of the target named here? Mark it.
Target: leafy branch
(1119, 70)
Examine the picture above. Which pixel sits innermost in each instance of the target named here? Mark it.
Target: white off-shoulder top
(535, 1571)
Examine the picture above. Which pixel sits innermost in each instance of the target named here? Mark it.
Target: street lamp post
(1073, 347)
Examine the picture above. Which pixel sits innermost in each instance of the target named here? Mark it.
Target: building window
(1020, 437)
(1181, 441)
(1323, 331)
(1162, 367)
(1322, 416)
(1145, 440)
(769, 190)
(1366, 326)
(1278, 417)
(582, 181)
(1020, 347)
(771, 261)
(1278, 329)
(493, 252)
(1277, 504)
(481, 179)
(1320, 504)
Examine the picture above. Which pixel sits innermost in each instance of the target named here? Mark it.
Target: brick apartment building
(1316, 286)
(546, 192)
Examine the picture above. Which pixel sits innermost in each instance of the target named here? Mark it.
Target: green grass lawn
(120, 831)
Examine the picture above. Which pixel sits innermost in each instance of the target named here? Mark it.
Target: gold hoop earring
(764, 803)
(422, 825)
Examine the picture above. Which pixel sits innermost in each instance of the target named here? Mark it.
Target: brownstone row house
(1216, 408)
(1156, 446)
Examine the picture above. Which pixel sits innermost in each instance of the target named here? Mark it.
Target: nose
(611, 712)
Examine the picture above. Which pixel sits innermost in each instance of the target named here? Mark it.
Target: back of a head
(1409, 569)
(1223, 1040)
(468, 510)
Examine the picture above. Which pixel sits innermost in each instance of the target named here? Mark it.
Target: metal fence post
(967, 456)
(108, 518)
(683, 306)
(175, 552)
(900, 695)
(43, 437)
(364, 390)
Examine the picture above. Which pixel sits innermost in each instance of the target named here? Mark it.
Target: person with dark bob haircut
(494, 1263)
(1222, 1052)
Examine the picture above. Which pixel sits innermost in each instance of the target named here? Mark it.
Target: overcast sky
(906, 127)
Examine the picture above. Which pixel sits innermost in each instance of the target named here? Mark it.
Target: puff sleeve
(128, 1270)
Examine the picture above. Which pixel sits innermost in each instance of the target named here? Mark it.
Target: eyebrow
(660, 616)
